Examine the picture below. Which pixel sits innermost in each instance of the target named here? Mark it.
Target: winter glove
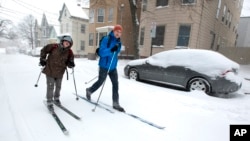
(115, 48)
(71, 64)
(42, 62)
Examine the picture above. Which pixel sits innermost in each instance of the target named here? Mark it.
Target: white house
(74, 21)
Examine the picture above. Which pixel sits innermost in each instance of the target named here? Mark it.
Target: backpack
(108, 44)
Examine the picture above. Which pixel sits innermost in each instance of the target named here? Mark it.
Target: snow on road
(189, 116)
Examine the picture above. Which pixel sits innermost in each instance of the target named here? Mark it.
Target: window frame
(91, 15)
(83, 28)
(99, 16)
(179, 42)
(111, 14)
(142, 35)
(82, 43)
(186, 2)
(161, 3)
(91, 39)
(160, 36)
(144, 5)
(218, 9)
(224, 13)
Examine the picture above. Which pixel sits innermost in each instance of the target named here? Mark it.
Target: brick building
(103, 15)
(205, 24)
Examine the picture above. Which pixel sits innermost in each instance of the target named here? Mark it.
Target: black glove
(71, 64)
(42, 62)
(115, 48)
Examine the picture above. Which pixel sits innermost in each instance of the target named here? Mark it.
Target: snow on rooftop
(76, 11)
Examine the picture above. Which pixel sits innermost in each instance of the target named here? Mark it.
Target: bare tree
(135, 26)
(6, 29)
(26, 28)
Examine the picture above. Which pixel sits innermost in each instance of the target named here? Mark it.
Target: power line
(12, 11)
(49, 18)
(25, 6)
(37, 8)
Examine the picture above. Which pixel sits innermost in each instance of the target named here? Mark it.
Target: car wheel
(199, 84)
(133, 74)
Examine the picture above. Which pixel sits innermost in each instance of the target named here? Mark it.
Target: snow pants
(101, 78)
(51, 84)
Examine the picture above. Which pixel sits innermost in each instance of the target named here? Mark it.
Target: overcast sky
(15, 10)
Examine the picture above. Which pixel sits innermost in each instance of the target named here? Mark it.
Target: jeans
(51, 83)
(101, 78)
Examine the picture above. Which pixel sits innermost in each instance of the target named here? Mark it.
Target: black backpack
(108, 44)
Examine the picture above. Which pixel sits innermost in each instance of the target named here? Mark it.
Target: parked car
(36, 51)
(191, 69)
(11, 50)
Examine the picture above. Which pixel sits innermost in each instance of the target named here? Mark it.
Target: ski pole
(77, 97)
(93, 110)
(91, 80)
(36, 85)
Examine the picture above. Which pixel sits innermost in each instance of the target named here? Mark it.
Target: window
(159, 38)
(83, 27)
(92, 16)
(142, 35)
(224, 13)
(65, 13)
(67, 27)
(100, 15)
(230, 20)
(61, 28)
(188, 1)
(82, 45)
(111, 11)
(161, 3)
(228, 16)
(218, 9)
(44, 32)
(184, 35)
(91, 39)
(144, 5)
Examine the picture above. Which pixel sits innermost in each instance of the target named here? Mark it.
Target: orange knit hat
(117, 27)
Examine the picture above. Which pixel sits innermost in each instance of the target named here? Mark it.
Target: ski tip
(66, 132)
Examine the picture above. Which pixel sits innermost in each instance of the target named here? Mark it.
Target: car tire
(133, 74)
(199, 84)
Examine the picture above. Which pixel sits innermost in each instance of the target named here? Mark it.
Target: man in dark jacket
(108, 53)
(56, 58)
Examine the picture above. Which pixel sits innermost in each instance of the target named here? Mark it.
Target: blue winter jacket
(106, 54)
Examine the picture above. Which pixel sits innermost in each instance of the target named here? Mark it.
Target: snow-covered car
(11, 50)
(36, 51)
(191, 69)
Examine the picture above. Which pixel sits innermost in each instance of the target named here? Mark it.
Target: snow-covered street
(186, 116)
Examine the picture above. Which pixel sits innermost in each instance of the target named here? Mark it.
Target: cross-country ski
(57, 119)
(68, 111)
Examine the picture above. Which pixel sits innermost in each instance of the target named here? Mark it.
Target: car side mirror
(147, 62)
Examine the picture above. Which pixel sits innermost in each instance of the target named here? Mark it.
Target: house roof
(74, 10)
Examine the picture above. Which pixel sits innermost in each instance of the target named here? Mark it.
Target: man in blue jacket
(110, 47)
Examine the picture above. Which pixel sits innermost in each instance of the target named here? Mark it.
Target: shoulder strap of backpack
(71, 55)
(109, 41)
